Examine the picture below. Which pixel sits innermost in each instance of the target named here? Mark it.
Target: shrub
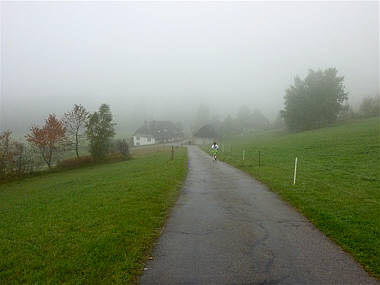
(87, 160)
(75, 162)
(116, 156)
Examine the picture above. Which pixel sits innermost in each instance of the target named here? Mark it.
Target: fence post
(243, 154)
(172, 153)
(259, 159)
(295, 171)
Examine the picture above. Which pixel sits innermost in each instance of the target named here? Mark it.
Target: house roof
(207, 131)
(160, 130)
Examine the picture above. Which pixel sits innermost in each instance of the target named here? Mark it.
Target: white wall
(141, 140)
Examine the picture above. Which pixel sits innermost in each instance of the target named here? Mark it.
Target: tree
(243, 117)
(258, 120)
(229, 127)
(123, 148)
(15, 158)
(6, 154)
(346, 112)
(75, 121)
(370, 106)
(279, 122)
(23, 159)
(315, 101)
(202, 117)
(100, 131)
(49, 139)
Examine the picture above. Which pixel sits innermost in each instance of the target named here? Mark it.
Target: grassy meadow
(90, 225)
(338, 179)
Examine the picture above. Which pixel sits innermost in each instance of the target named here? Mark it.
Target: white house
(157, 132)
(143, 140)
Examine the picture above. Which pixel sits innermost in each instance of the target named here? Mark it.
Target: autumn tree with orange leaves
(49, 139)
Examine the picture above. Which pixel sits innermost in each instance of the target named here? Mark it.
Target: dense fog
(166, 60)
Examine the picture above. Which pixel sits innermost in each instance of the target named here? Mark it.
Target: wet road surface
(227, 228)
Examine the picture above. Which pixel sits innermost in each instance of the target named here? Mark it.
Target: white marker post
(243, 154)
(295, 171)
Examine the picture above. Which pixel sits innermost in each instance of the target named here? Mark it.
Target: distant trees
(100, 130)
(346, 112)
(75, 122)
(247, 120)
(15, 158)
(315, 101)
(202, 117)
(244, 121)
(243, 118)
(5, 148)
(49, 139)
(23, 159)
(229, 127)
(258, 120)
(279, 122)
(6, 156)
(370, 107)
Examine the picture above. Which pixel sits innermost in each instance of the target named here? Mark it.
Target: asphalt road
(227, 228)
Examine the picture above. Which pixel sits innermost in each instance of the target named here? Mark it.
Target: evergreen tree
(100, 131)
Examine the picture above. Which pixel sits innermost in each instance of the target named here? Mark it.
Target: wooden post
(295, 171)
(243, 154)
(259, 159)
(172, 153)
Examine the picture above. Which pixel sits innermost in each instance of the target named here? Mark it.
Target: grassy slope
(90, 225)
(338, 180)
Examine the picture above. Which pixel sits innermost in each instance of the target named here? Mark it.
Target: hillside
(338, 179)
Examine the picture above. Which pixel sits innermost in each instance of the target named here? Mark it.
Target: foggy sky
(161, 60)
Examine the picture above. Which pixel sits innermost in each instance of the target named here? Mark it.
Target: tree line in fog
(316, 101)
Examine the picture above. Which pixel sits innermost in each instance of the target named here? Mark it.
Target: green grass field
(338, 179)
(87, 226)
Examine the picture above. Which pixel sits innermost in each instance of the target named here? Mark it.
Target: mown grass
(338, 179)
(86, 226)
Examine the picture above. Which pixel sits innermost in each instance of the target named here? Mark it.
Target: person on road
(214, 150)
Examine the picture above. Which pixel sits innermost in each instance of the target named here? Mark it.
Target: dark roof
(160, 130)
(207, 131)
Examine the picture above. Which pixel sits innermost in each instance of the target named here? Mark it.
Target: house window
(148, 139)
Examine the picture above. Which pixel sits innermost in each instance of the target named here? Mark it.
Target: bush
(115, 156)
(75, 162)
(87, 160)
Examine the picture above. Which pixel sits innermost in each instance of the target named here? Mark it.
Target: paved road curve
(227, 228)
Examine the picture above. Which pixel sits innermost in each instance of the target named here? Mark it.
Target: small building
(143, 139)
(157, 132)
(205, 135)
